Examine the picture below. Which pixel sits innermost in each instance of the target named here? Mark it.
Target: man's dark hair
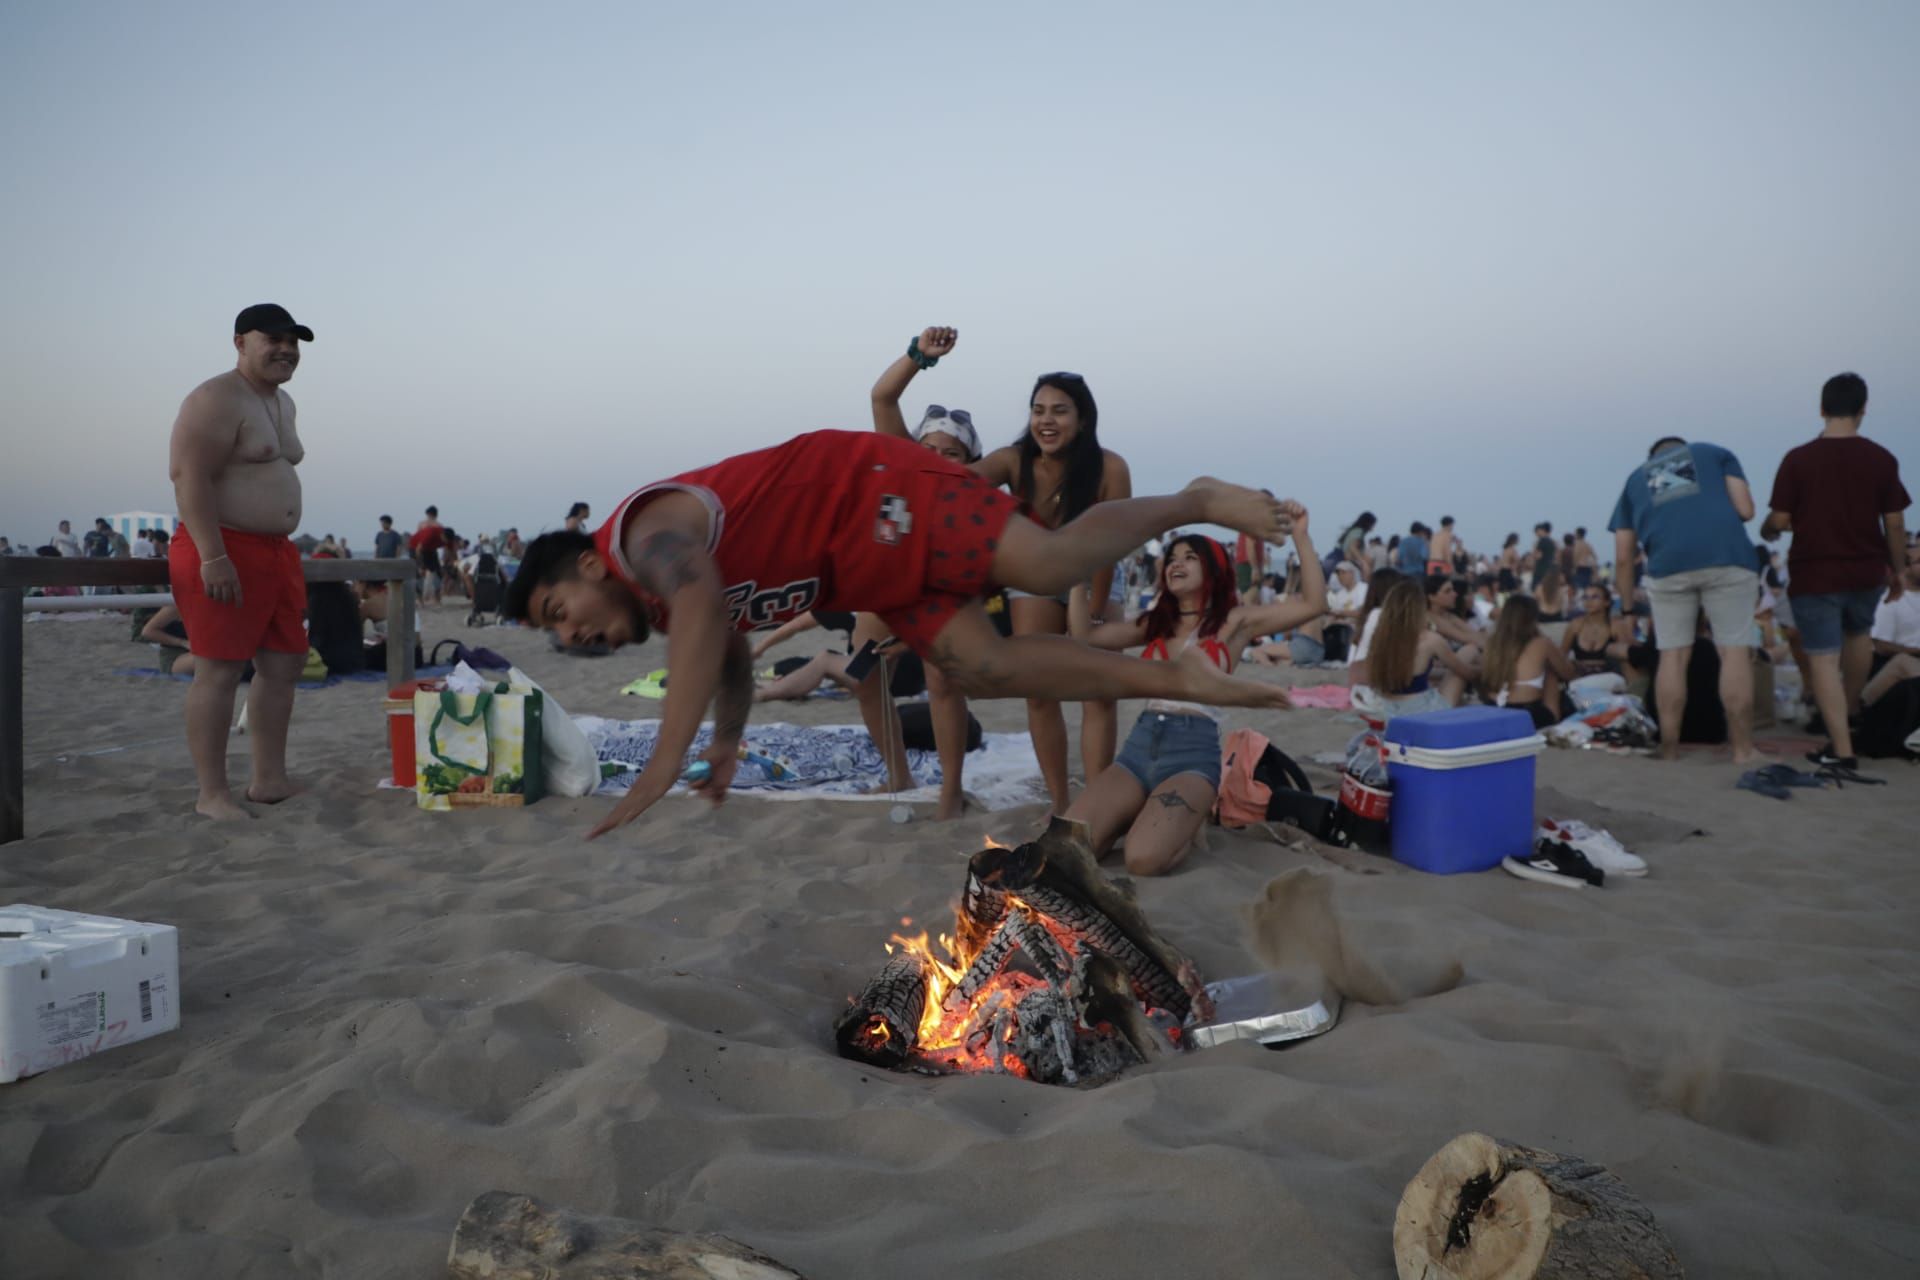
(1545, 526)
(434, 512)
(577, 509)
(550, 558)
(1844, 396)
(100, 522)
(1446, 522)
(386, 519)
(1662, 444)
(1581, 533)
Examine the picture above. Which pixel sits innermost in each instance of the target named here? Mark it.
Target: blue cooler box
(1462, 787)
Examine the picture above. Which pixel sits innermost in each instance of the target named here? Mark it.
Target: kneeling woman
(1161, 787)
(1524, 669)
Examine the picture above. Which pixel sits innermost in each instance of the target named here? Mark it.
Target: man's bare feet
(1669, 751)
(220, 809)
(272, 792)
(950, 808)
(1207, 683)
(1247, 510)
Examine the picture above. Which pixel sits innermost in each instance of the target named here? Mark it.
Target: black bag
(480, 659)
(1291, 801)
(916, 727)
(333, 627)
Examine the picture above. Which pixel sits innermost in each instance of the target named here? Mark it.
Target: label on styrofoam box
(72, 985)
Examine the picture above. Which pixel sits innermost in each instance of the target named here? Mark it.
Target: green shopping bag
(478, 749)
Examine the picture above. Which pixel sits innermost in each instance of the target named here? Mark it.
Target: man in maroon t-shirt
(1841, 498)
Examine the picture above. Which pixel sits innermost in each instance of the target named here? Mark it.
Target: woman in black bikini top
(1591, 637)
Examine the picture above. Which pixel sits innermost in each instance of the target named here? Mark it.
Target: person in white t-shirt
(1896, 623)
(1345, 599)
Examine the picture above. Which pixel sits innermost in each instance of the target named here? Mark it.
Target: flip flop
(1756, 781)
(1841, 775)
(651, 685)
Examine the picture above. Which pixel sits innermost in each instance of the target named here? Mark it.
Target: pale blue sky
(1467, 259)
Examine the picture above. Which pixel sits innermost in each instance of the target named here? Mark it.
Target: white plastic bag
(571, 767)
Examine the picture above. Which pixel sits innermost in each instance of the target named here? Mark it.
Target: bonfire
(1051, 974)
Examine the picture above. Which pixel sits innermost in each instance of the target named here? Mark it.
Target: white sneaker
(1600, 848)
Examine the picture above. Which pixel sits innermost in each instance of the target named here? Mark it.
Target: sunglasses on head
(960, 416)
(1062, 373)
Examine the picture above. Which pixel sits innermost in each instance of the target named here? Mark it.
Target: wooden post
(400, 637)
(13, 763)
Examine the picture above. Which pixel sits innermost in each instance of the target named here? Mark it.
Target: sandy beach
(387, 1012)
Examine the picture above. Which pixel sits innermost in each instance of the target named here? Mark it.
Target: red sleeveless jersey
(850, 520)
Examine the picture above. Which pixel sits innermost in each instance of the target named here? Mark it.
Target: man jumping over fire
(854, 521)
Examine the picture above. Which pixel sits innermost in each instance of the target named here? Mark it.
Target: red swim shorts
(968, 515)
(273, 597)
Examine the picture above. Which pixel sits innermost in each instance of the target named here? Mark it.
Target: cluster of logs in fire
(1051, 974)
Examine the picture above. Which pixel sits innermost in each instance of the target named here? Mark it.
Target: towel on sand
(828, 760)
(1337, 697)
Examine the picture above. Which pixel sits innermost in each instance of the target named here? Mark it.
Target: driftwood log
(1482, 1209)
(506, 1236)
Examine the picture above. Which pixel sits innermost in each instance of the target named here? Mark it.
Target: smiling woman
(1057, 470)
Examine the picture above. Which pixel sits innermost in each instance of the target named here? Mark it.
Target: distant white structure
(128, 523)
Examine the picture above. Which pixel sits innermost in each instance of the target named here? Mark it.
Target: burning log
(986, 966)
(504, 1236)
(1489, 1210)
(1110, 999)
(883, 1023)
(984, 904)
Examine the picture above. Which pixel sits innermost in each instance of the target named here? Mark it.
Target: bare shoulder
(1116, 478)
(212, 409)
(1000, 466)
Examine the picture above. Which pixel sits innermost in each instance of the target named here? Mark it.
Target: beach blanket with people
(840, 761)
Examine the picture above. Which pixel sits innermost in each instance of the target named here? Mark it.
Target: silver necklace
(272, 408)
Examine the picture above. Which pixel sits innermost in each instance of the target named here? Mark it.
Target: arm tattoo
(1173, 800)
(668, 561)
(734, 702)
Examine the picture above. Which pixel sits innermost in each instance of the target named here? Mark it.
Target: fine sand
(387, 1012)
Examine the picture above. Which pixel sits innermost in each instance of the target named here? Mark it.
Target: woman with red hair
(1162, 786)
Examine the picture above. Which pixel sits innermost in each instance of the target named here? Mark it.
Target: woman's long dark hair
(1086, 461)
(1217, 596)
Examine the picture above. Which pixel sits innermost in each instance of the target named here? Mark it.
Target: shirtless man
(1586, 561)
(235, 572)
(854, 521)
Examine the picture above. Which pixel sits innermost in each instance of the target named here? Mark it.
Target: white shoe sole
(1513, 866)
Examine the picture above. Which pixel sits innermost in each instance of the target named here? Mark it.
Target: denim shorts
(1305, 650)
(1163, 745)
(1824, 620)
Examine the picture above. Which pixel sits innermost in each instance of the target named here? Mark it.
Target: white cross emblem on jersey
(894, 522)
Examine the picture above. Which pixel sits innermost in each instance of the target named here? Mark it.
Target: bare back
(245, 446)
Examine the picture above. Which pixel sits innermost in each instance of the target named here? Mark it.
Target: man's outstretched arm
(672, 563)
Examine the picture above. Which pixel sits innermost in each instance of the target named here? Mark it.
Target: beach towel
(1335, 697)
(838, 761)
(358, 677)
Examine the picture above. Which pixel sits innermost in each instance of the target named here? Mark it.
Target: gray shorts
(1729, 595)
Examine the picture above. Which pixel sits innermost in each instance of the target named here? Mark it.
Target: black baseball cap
(270, 318)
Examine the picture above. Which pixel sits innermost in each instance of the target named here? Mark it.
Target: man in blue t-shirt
(1689, 504)
(388, 543)
(1411, 556)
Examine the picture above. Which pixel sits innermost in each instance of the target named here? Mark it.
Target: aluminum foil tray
(1267, 1008)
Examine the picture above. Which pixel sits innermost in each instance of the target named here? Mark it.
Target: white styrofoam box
(72, 985)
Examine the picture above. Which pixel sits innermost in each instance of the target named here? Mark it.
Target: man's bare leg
(1670, 695)
(982, 664)
(949, 713)
(1047, 562)
(1736, 699)
(269, 711)
(209, 709)
(1856, 664)
(1830, 695)
(883, 725)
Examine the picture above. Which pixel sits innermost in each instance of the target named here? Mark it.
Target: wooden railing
(19, 574)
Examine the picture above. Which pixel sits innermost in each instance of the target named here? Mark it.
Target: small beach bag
(479, 750)
(1261, 783)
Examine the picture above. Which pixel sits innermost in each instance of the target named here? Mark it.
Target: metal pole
(13, 745)
(400, 637)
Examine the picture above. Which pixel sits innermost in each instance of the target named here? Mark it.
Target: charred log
(883, 1022)
(986, 966)
(1110, 1000)
(1155, 984)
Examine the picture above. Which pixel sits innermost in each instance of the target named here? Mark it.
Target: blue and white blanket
(827, 760)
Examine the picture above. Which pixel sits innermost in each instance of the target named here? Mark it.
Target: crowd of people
(1021, 571)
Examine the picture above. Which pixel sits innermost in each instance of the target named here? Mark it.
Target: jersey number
(774, 605)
